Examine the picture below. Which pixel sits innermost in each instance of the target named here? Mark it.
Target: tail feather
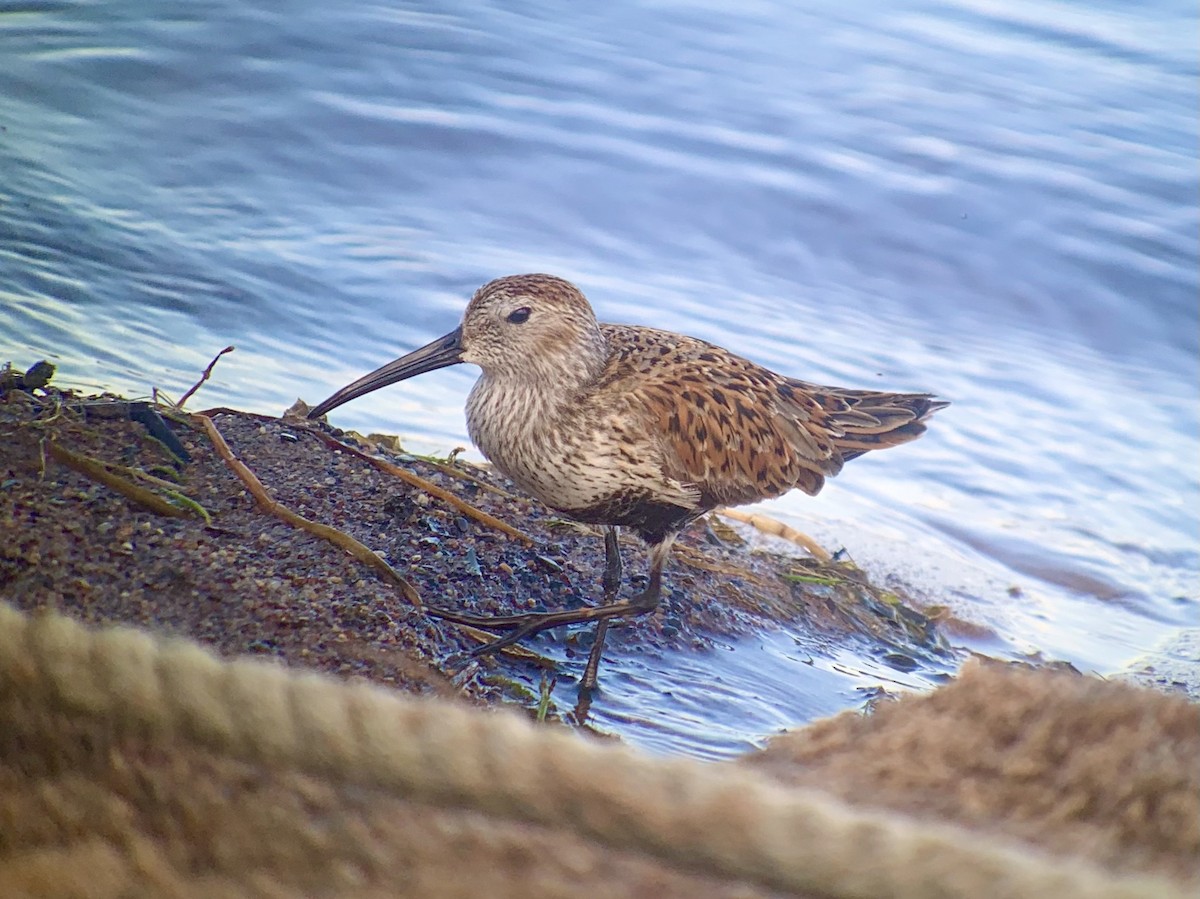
(863, 420)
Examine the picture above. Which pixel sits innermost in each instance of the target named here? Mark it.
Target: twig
(373, 440)
(186, 502)
(58, 411)
(333, 535)
(147, 477)
(806, 579)
(229, 410)
(204, 377)
(96, 470)
(432, 489)
(778, 529)
(545, 689)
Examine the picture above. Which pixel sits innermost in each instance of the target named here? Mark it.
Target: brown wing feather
(720, 419)
(740, 432)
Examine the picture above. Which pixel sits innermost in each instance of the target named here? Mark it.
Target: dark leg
(612, 564)
(612, 584)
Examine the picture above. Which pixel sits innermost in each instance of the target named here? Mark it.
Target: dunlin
(633, 427)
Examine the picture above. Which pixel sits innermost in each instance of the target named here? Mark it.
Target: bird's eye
(519, 316)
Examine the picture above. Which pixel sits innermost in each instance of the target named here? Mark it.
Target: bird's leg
(612, 584)
(612, 564)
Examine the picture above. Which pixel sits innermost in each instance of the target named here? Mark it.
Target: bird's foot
(529, 623)
(487, 622)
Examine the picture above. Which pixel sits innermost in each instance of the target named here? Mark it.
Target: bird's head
(534, 328)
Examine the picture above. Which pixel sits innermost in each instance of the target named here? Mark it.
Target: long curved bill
(442, 352)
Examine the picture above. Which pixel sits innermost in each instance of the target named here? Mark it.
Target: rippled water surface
(993, 201)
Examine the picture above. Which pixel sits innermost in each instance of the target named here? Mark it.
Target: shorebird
(626, 426)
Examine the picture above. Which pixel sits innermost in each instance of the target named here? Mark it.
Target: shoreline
(208, 562)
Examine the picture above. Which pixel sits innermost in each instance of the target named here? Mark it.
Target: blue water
(993, 201)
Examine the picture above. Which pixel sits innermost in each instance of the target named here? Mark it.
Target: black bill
(442, 352)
